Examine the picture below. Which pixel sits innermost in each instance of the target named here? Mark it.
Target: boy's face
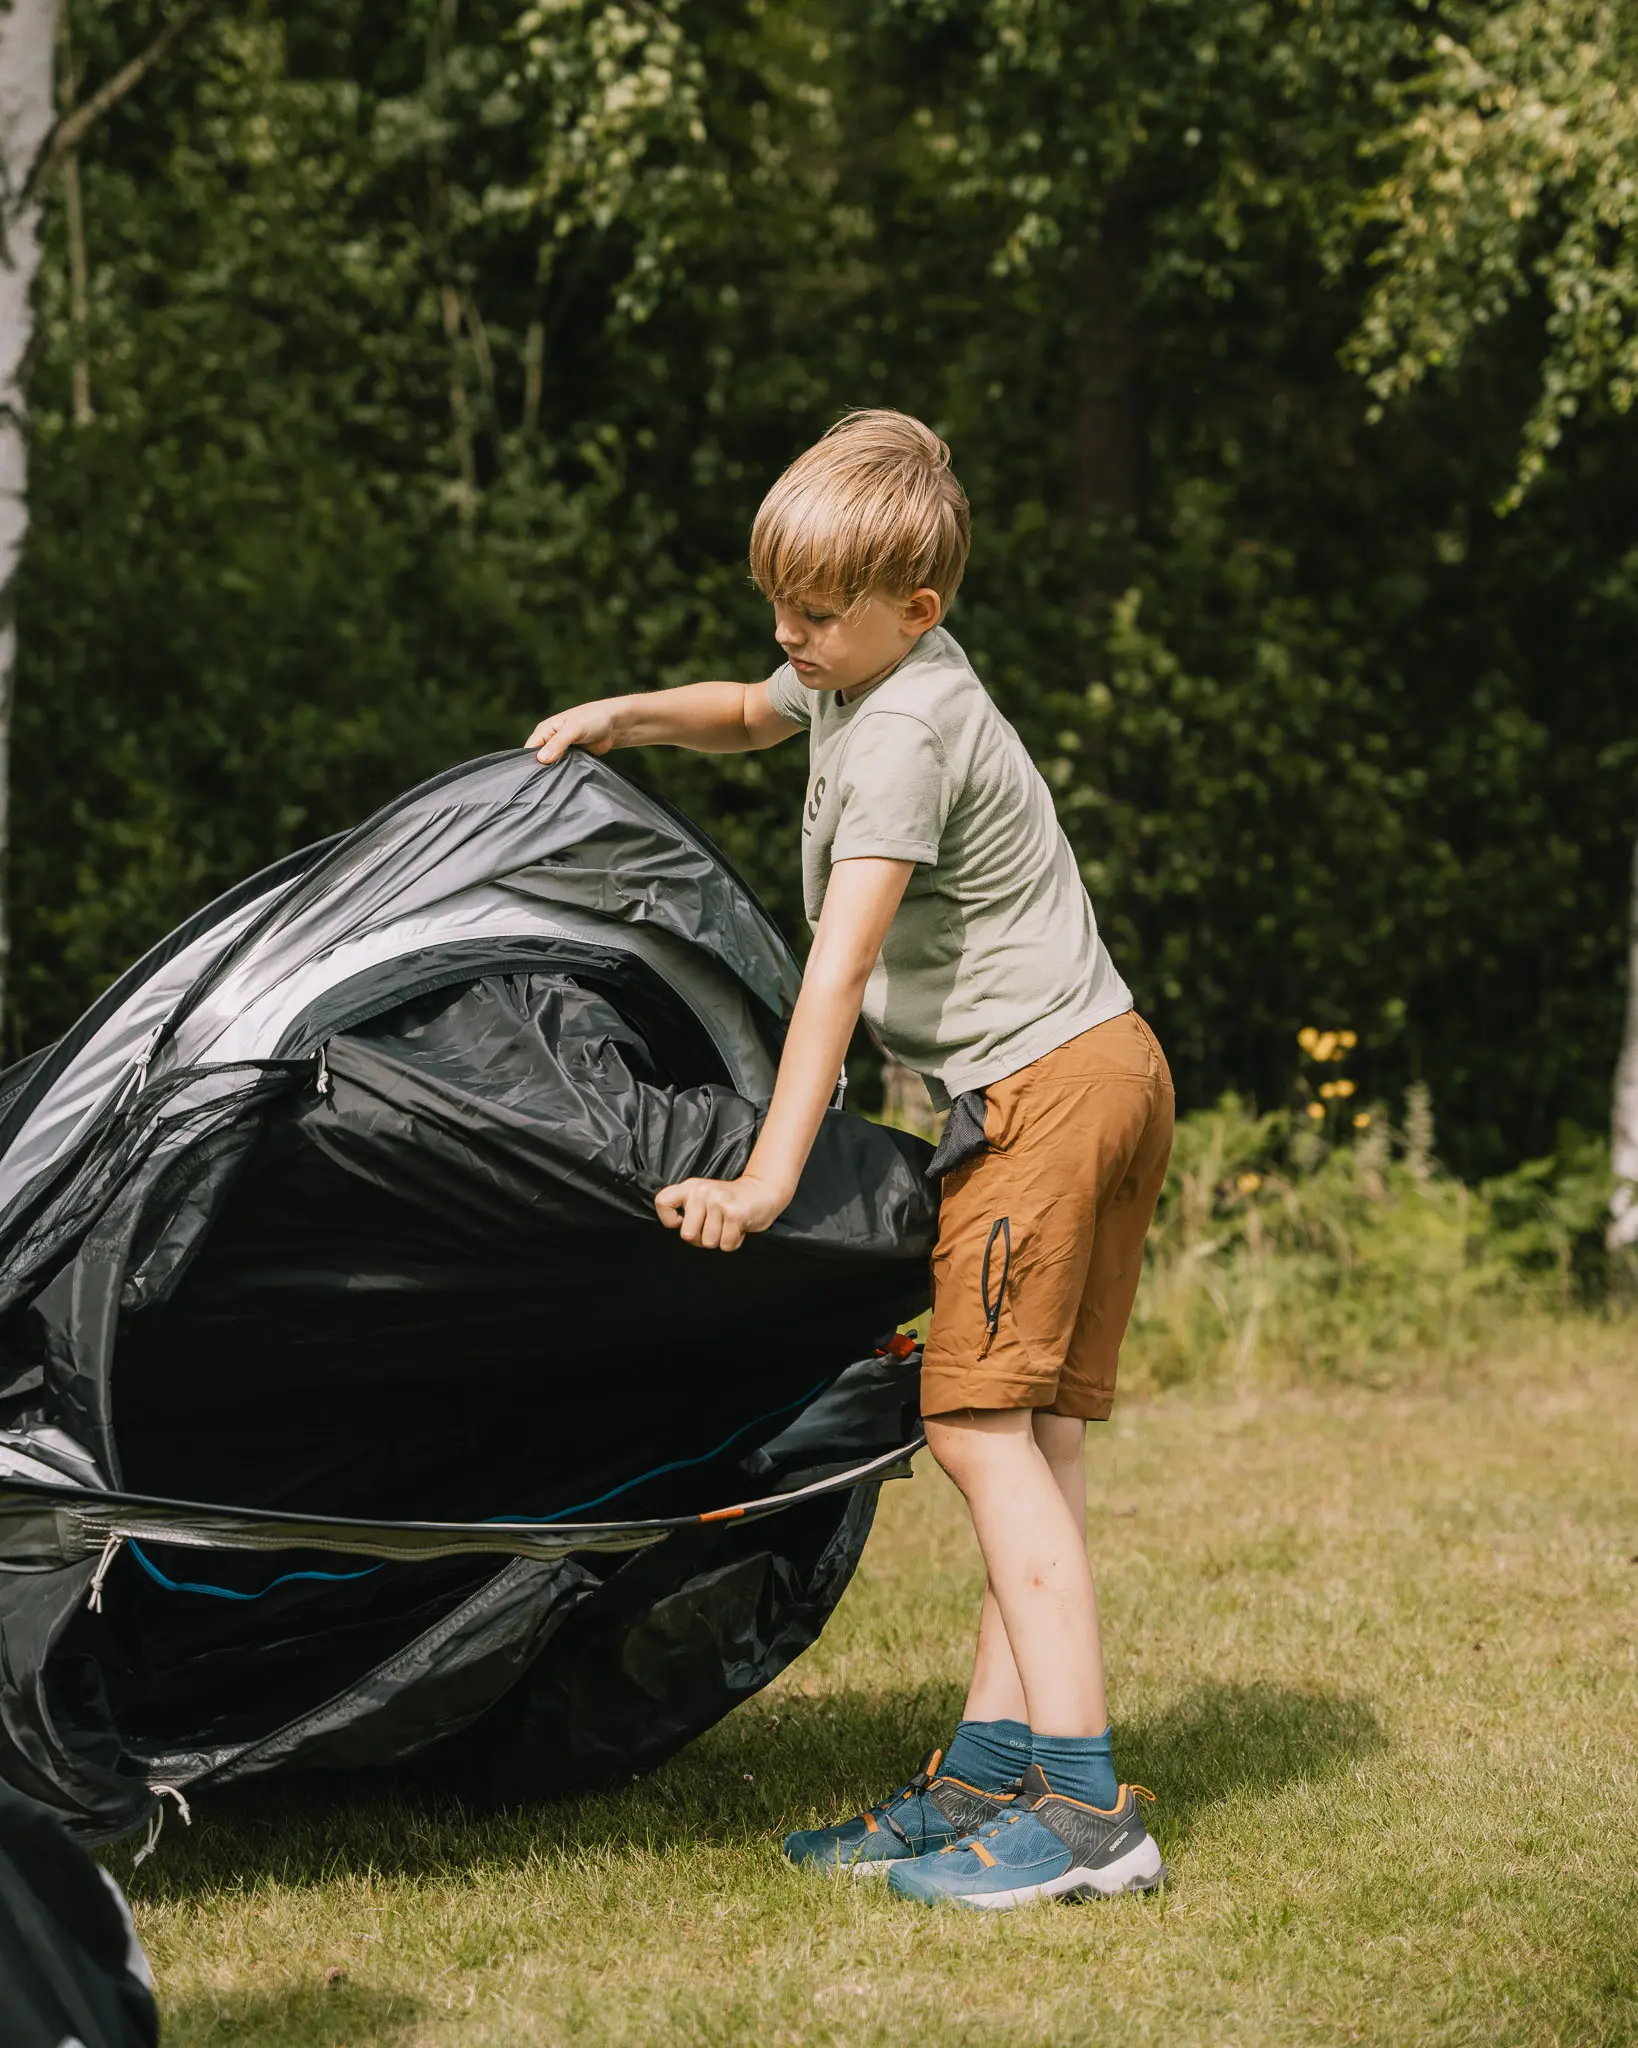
(831, 652)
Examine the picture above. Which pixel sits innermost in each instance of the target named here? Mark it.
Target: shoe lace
(912, 1788)
(984, 1834)
(925, 1778)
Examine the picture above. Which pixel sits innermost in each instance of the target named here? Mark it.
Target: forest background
(407, 372)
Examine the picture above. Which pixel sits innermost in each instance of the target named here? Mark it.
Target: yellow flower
(1249, 1183)
(1343, 1088)
(1347, 1040)
(1362, 1121)
(1308, 1038)
(1324, 1046)
(1316, 1110)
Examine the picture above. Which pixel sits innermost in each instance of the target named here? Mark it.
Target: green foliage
(1284, 1251)
(439, 363)
(1514, 174)
(1546, 1220)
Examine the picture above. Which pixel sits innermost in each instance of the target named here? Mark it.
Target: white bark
(28, 35)
(1624, 1118)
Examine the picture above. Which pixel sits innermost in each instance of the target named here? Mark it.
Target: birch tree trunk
(1623, 1230)
(28, 36)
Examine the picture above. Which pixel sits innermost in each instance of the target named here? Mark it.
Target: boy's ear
(921, 610)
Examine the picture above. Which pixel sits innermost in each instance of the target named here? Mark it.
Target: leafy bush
(1295, 1246)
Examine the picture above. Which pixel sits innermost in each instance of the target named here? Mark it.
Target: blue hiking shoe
(1043, 1846)
(928, 1813)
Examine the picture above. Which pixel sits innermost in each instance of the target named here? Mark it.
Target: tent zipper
(96, 1525)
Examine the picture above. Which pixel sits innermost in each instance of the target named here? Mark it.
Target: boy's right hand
(583, 725)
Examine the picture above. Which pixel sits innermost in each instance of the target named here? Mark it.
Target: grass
(1377, 1651)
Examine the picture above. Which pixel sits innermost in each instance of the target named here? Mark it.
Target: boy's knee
(1062, 1437)
(971, 1441)
(945, 1443)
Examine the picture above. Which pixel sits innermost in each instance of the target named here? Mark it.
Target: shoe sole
(1139, 1870)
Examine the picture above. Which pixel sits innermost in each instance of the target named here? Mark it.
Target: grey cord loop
(110, 1550)
(151, 1842)
(137, 1080)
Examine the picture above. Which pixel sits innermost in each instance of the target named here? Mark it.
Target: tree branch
(73, 128)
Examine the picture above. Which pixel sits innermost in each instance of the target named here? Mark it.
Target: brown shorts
(1040, 1238)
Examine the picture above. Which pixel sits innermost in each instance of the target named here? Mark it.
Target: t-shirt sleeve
(789, 697)
(893, 792)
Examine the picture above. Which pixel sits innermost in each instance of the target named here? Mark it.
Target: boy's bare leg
(1040, 1656)
(997, 1692)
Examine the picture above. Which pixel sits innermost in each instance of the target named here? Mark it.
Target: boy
(947, 905)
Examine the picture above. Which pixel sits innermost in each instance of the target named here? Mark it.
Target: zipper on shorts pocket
(1000, 1228)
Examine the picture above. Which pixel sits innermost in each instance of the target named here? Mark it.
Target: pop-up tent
(354, 1405)
(71, 1967)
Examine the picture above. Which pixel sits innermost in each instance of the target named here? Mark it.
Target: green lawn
(1376, 1653)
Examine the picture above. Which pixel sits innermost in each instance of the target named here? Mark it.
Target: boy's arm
(711, 718)
(860, 900)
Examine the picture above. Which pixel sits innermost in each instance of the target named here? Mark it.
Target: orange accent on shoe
(870, 1823)
(722, 1515)
(1086, 1806)
(983, 1855)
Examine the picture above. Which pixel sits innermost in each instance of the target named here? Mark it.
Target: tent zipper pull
(321, 1080)
(110, 1550)
(839, 1099)
(161, 1793)
(138, 1079)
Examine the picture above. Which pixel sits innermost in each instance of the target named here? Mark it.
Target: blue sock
(1079, 1766)
(993, 1755)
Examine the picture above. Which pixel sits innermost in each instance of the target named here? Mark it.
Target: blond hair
(872, 509)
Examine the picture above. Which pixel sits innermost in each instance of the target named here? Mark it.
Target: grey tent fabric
(351, 1396)
(71, 1967)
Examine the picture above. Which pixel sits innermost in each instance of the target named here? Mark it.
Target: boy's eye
(818, 618)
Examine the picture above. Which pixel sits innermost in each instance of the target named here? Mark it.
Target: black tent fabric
(355, 1409)
(71, 1968)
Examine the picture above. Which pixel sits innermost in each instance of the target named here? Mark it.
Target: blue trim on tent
(343, 1578)
(229, 1592)
(676, 1465)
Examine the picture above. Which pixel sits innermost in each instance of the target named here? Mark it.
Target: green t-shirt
(993, 959)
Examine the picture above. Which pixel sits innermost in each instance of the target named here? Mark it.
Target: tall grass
(1300, 1246)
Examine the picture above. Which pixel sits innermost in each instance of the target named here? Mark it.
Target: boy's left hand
(718, 1215)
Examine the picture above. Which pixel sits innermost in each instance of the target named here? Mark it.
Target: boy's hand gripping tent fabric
(354, 1406)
